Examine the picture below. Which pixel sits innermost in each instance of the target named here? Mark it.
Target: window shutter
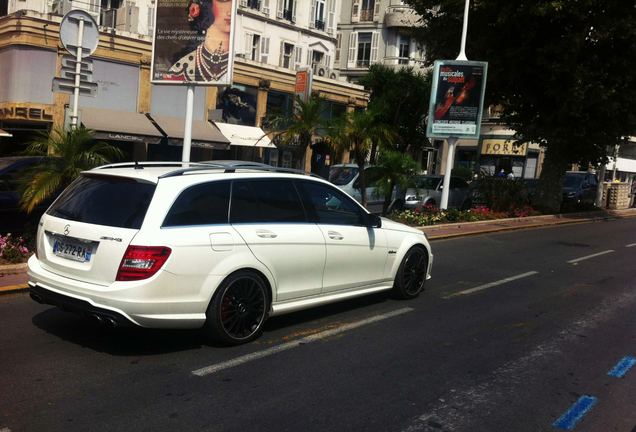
(264, 49)
(312, 14)
(243, 3)
(299, 57)
(338, 46)
(266, 7)
(279, 9)
(151, 21)
(355, 11)
(374, 47)
(328, 60)
(294, 11)
(310, 58)
(282, 54)
(248, 45)
(331, 14)
(376, 11)
(353, 48)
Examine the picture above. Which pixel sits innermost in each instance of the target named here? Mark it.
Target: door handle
(266, 234)
(335, 235)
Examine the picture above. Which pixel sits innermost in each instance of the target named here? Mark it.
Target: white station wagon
(218, 246)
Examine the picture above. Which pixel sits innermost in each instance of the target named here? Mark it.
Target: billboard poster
(457, 99)
(193, 42)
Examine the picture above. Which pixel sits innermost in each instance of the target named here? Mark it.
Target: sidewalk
(14, 278)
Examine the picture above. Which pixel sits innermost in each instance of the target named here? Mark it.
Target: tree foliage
(401, 96)
(65, 156)
(564, 72)
(395, 169)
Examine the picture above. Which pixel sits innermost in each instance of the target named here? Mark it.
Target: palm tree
(395, 169)
(357, 131)
(65, 156)
(299, 125)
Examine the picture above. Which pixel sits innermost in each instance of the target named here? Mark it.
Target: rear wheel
(411, 275)
(466, 205)
(238, 309)
(430, 202)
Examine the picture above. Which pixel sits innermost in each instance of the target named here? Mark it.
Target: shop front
(498, 152)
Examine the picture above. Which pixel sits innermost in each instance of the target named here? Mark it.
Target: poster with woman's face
(193, 42)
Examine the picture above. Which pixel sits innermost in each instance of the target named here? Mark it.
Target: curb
(13, 269)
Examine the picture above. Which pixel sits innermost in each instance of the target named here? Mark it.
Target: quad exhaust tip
(103, 320)
(36, 297)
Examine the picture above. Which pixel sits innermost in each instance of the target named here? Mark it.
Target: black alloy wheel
(409, 281)
(238, 310)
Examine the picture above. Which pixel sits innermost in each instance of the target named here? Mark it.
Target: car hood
(570, 189)
(389, 224)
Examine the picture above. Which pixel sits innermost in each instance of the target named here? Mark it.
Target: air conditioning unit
(128, 19)
(61, 7)
(321, 70)
(334, 74)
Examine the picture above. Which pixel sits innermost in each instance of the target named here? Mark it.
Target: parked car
(429, 192)
(531, 184)
(11, 217)
(579, 187)
(217, 246)
(347, 178)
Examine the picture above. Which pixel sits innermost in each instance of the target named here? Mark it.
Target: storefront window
(278, 103)
(467, 159)
(238, 104)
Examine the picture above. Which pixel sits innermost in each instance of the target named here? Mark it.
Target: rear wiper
(73, 216)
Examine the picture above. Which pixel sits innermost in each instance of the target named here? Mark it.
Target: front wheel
(411, 275)
(238, 309)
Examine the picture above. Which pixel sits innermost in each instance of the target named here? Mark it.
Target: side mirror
(372, 221)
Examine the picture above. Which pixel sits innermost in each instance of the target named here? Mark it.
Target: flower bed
(13, 250)
(431, 215)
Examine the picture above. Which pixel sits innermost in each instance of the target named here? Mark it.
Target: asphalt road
(514, 331)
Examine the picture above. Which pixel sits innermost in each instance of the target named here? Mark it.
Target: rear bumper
(110, 318)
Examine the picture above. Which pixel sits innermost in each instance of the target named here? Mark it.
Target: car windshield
(428, 182)
(342, 175)
(5, 163)
(572, 181)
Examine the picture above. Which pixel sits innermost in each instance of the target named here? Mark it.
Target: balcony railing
(320, 25)
(254, 4)
(366, 15)
(363, 64)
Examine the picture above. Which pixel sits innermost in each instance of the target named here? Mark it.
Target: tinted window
(330, 205)
(244, 206)
(204, 204)
(573, 180)
(278, 201)
(456, 183)
(108, 201)
(428, 182)
(342, 175)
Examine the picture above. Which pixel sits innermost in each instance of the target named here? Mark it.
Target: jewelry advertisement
(193, 42)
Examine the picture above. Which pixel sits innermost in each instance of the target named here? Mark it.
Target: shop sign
(457, 96)
(26, 113)
(503, 147)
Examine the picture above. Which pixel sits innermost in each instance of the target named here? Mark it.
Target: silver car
(429, 192)
(347, 178)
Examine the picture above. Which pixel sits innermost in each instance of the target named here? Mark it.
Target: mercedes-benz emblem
(67, 229)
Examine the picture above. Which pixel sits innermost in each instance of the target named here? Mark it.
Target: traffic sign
(69, 31)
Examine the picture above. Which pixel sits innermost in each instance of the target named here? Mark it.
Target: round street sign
(69, 29)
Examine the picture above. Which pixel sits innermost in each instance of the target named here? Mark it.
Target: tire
(411, 275)
(430, 202)
(238, 309)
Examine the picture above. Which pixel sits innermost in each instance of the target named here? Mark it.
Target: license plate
(73, 250)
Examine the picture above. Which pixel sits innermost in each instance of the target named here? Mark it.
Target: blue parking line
(622, 367)
(569, 419)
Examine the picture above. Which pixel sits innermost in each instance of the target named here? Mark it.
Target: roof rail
(189, 167)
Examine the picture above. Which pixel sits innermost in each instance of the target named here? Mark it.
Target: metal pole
(78, 69)
(598, 202)
(462, 51)
(447, 173)
(187, 133)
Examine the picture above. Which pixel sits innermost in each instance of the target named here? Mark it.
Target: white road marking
(574, 261)
(633, 244)
(289, 345)
(492, 284)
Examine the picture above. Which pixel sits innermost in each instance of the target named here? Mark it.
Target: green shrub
(500, 195)
(463, 172)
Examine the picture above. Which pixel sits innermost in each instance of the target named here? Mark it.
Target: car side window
(278, 201)
(244, 205)
(329, 205)
(371, 175)
(204, 204)
(455, 183)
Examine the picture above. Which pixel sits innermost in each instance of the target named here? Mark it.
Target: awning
(204, 134)
(245, 135)
(120, 125)
(5, 134)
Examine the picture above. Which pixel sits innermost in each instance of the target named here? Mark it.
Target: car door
(269, 216)
(356, 254)
(458, 188)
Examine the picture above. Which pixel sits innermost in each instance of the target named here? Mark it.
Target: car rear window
(108, 201)
(204, 204)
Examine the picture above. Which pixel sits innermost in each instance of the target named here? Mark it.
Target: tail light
(142, 262)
